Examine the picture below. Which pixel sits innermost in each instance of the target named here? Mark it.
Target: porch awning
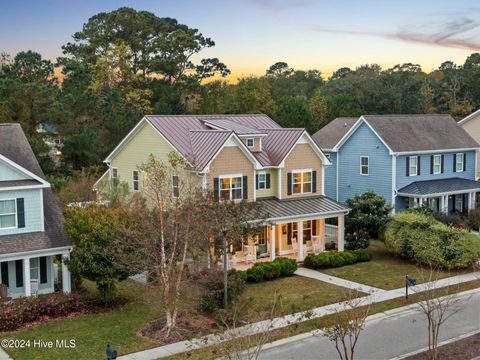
(276, 210)
(439, 187)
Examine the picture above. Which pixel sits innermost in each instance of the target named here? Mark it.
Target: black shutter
(464, 161)
(21, 213)
(4, 272)
(256, 181)
(215, 189)
(443, 163)
(418, 165)
(245, 187)
(289, 234)
(289, 184)
(408, 165)
(19, 272)
(431, 163)
(314, 181)
(314, 227)
(454, 162)
(43, 270)
(267, 185)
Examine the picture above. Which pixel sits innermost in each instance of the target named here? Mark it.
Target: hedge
(336, 259)
(422, 239)
(264, 271)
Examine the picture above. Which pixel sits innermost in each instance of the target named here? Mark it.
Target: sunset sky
(250, 35)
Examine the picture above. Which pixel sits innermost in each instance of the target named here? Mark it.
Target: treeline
(127, 63)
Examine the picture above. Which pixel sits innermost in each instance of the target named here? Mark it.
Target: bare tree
(349, 321)
(438, 305)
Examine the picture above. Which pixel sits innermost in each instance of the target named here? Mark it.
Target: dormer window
(250, 142)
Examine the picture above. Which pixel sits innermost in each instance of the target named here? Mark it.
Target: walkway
(284, 321)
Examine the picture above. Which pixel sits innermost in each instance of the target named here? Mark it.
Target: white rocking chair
(250, 253)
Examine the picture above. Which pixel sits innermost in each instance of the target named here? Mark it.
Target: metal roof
(275, 209)
(240, 129)
(278, 143)
(442, 186)
(205, 144)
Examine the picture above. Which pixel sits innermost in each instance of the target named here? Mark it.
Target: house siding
(364, 142)
(7, 172)
(273, 184)
(33, 210)
(331, 176)
(472, 127)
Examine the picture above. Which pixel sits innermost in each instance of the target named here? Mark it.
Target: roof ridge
(210, 130)
(398, 115)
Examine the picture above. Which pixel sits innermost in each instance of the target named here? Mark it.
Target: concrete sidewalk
(285, 321)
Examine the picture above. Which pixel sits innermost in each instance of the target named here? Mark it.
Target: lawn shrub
(16, 313)
(357, 240)
(422, 239)
(336, 259)
(265, 271)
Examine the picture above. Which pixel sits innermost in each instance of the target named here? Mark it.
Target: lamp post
(225, 269)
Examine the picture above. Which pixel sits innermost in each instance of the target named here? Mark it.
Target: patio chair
(34, 287)
(317, 244)
(250, 253)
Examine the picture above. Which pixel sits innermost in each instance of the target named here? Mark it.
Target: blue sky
(250, 35)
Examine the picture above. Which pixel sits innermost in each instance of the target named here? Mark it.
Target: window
(114, 176)
(262, 180)
(301, 182)
(8, 214)
(437, 164)
(231, 188)
(250, 142)
(295, 231)
(459, 202)
(363, 165)
(176, 186)
(307, 231)
(413, 166)
(459, 162)
(136, 182)
(34, 269)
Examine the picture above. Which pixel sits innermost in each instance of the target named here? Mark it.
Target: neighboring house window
(459, 161)
(136, 181)
(114, 176)
(250, 142)
(231, 188)
(437, 164)
(176, 186)
(413, 165)
(364, 165)
(8, 214)
(301, 182)
(262, 180)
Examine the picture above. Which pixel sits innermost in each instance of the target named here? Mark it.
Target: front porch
(31, 274)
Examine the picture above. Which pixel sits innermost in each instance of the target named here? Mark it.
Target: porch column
(469, 206)
(474, 200)
(26, 277)
(442, 203)
(300, 240)
(445, 209)
(321, 232)
(273, 229)
(66, 280)
(420, 202)
(341, 232)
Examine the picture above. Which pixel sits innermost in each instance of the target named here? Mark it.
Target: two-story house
(243, 157)
(31, 223)
(411, 160)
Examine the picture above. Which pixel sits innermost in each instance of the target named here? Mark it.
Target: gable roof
(206, 144)
(15, 147)
(328, 136)
(403, 133)
(470, 117)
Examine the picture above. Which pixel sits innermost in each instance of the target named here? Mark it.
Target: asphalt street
(384, 337)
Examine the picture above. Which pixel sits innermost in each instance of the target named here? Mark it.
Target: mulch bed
(465, 349)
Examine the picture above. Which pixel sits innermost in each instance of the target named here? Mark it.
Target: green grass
(293, 294)
(384, 270)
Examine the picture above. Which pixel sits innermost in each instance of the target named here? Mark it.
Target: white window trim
(368, 165)
(296, 171)
(253, 142)
(133, 180)
(410, 165)
(439, 164)
(456, 162)
(15, 214)
(37, 268)
(264, 181)
(111, 173)
(230, 190)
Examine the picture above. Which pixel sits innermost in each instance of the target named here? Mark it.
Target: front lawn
(384, 270)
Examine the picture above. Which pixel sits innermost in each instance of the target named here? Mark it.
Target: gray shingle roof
(328, 136)
(14, 146)
(441, 186)
(273, 208)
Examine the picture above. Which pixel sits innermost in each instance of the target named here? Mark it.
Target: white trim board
(469, 117)
(24, 171)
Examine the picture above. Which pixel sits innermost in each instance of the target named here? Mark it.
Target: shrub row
(265, 271)
(17, 313)
(336, 259)
(422, 239)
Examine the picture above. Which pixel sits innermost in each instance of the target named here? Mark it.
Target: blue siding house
(31, 223)
(411, 160)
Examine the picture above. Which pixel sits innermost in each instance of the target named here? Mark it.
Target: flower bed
(336, 259)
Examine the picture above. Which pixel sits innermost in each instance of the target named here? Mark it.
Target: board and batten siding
(331, 176)
(33, 210)
(7, 172)
(364, 142)
(425, 171)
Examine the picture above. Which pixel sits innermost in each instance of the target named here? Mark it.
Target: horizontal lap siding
(33, 210)
(364, 142)
(273, 184)
(472, 126)
(331, 177)
(9, 173)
